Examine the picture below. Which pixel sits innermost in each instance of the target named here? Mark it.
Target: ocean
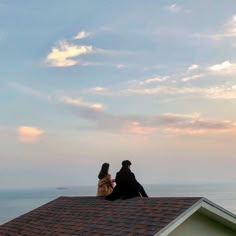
(14, 203)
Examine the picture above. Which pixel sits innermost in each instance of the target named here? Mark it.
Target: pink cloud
(136, 128)
(28, 134)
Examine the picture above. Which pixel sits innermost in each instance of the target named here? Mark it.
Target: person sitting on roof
(105, 183)
(126, 184)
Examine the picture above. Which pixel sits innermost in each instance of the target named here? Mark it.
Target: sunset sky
(84, 82)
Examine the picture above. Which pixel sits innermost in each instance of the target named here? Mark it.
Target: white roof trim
(207, 208)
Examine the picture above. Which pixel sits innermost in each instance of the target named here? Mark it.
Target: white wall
(200, 225)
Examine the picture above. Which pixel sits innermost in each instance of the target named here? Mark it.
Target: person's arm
(133, 181)
(139, 187)
(110, 181)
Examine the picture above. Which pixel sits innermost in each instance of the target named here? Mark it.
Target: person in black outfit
(126, 184)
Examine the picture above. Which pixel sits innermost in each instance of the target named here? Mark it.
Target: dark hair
(126, 163)
(104, 171)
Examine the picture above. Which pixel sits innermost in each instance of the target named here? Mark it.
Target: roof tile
(96, 216)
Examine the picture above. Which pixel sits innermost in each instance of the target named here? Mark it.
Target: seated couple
(126, 184)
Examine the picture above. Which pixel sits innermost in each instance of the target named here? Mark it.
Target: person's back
(105, 185)
(126, 184)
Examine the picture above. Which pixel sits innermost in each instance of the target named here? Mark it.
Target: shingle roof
(97, 216)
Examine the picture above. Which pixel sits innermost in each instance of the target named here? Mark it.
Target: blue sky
(87, 82)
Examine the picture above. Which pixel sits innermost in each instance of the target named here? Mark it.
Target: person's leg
(142, 191)
(116, 194)
(128, 195)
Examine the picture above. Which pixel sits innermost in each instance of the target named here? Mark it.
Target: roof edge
(219, 207)
(218, 213)
(28, 212)
(206, 207)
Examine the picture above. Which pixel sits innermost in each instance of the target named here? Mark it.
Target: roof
(97, 216)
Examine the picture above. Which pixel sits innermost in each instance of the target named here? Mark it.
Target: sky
(85, 82)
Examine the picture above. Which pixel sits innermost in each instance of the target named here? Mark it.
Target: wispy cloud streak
(82, 35)
(80, 103)
(174, 8)
(95, 113)
(193, 77)
(29, 91)
(154, 80)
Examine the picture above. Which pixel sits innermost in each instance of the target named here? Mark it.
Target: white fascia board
(206, 207)
(218, 213)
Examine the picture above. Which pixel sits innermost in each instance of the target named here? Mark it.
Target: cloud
(168, 123)
(82, 35)
(65, 54)
(100, 119)
(213, 92)
(80, 103)
(194, 124)
(170, 117)
(110, 52)
(162, 90)
(223, 93)
(120, 66)
(103, 91)
(29, 91)
(228, 31)
(230, 28)
(193, 77)
(174, 8)
(103, 121)
(223, 68)
(60, 99)
(134, 127)
(98, 89)
(154, 80)
(28, 134)
(193, 67)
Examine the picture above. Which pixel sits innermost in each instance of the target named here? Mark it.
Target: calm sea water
(14, 203)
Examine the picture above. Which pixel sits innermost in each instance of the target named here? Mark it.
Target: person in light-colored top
(105, 183)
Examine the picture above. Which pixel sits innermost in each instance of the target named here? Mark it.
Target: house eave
(207, 208)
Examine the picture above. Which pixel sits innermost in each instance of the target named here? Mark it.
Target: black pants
(126, 194)
(142, 191)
